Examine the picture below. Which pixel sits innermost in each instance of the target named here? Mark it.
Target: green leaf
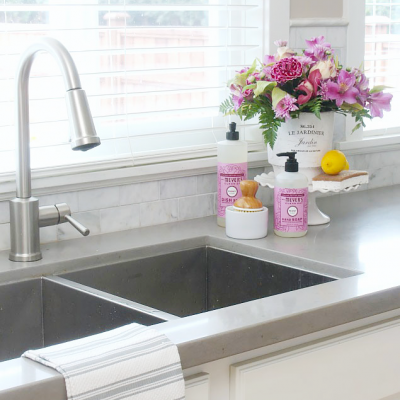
(277, 96)
(252, 86)
(227, 107)
(351, 107)
(263, 86)
(379, 88)
(252, 68)
(358, 126)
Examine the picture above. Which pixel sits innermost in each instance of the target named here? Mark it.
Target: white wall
(316, 8)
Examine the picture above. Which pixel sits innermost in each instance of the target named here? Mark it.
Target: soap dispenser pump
(290, 200)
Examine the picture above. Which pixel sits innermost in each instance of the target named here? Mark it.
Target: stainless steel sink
(45, 311)
(49, 310)
(195, 281)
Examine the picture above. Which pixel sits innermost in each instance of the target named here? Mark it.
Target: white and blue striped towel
(131, 362)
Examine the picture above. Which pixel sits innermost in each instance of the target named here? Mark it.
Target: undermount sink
(45, 311)
(49, 310)
(195, 281)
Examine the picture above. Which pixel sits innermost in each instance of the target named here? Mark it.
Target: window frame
(362, 143)
(151, 167)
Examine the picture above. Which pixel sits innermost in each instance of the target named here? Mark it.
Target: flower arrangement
(286, 84)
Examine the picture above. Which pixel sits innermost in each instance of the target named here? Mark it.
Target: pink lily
(309, 86)
(377, 102)
(343, 90)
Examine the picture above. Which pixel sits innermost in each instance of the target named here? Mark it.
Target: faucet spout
(24, 209)
(78, 108)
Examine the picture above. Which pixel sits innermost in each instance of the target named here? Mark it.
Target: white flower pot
(309, 136)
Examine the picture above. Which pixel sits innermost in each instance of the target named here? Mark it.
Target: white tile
(159, 212)
(196, 206)
(178, 187)
(4, 236)
(253, 172)
(120, 218)
(71, 198)
(381, 177)
(4, 212)
(139, 193)
(48, 234)
(96, 199)
(266, 195)
(206, 183)
(89, 219)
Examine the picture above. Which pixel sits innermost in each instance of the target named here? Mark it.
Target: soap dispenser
(290, 200)
(232, 169)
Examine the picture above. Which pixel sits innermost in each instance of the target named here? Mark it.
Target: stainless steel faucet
(26, 217)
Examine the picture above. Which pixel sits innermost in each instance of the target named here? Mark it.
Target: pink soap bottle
(290, 200)
(232, 169)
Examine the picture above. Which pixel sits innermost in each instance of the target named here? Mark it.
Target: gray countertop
(361, 245)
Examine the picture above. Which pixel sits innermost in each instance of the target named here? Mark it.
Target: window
(382, 58)
(155, 72)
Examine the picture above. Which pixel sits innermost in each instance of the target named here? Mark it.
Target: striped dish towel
(131, 362)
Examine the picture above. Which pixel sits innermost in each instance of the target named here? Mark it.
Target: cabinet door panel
(360, 366)
(197, 387)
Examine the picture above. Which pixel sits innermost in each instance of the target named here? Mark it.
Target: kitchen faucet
(26, 217)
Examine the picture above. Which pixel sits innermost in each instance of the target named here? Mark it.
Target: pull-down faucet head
(83, 132)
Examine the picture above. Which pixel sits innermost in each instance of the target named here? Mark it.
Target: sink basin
(45, 311)
(194, 281)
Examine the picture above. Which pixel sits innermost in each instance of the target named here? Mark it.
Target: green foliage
(227, 107)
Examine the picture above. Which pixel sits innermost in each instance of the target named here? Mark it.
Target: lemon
(333, 162)
(347, 166)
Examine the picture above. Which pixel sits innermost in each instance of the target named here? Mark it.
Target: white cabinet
(197, 387)
(364, 365)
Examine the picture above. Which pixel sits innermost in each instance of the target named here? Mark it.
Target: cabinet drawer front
(360, 366)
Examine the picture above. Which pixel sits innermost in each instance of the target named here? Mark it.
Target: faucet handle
(65, 216)
(77, 225)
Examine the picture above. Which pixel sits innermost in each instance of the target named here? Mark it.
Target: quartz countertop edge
(358, 246)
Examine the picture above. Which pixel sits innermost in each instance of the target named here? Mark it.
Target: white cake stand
(315, 215)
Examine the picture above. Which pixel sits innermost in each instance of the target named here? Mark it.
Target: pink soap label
(229, 178)
(290, 209)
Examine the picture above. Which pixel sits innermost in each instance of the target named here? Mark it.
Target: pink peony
(377, 102)
(286, 69)
(283, 108)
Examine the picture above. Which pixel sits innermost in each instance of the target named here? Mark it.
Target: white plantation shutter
(382, 59)
(155, 72)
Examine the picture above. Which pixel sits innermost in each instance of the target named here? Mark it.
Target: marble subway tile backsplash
(134, 205)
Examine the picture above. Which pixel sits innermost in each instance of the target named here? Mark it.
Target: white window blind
(382, 59)
(155, 72)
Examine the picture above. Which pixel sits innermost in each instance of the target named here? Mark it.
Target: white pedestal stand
(315, 215)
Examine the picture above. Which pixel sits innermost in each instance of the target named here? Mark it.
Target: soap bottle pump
(290, 200)
(232, 169)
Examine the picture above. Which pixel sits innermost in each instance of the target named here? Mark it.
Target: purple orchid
(343, 90)
(379, 102)
(283, 108)
(318, 49)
